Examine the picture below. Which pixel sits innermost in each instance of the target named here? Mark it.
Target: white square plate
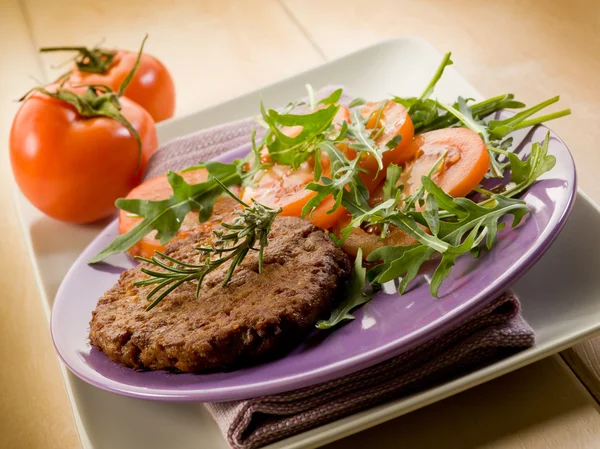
(559, 295)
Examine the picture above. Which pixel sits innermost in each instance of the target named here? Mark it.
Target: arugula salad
(396, 183)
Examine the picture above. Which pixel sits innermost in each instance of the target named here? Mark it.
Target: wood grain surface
(219, 49)
(34, 409)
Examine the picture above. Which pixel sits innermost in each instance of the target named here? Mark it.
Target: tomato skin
(151, 87)
(74, 168)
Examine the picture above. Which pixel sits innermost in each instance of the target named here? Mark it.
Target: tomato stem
(91, 104)
(89, 60)
(130, 75)
(99, 100)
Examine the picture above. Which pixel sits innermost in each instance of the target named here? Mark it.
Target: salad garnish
(356, 293)
(166, 216)
(440, 224)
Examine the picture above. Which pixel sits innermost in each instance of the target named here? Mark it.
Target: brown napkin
(494, 332)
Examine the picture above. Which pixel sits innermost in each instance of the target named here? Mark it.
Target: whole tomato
(72, 167)
(151, 87)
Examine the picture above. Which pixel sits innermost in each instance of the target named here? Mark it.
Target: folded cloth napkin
(495, 332)
(492, 333)
(201, 146)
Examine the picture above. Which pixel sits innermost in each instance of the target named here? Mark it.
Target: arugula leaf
(423, 113)
(394, 142)
(333, 98)
(385, 212)
(391, 190)
(374, 215)
(491, 105)
(431, 215)
(495, 130)
(449, 257)
(355, 294)
(392, 176)
(446, 61)
(479, 111)
(462, 232)
(464, 114)
(361, 139)
(356, 102)
(254, 160)
(422, 110)
(166, 216)
(398, 262)
(468, 213)
(498, 129)
(344, 183)
(524, 173)
(293, 151)
(409, 225)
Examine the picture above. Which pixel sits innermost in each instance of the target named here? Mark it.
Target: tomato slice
(159, 189)
(394, 120)
(466, 162)
(465, 165)
(369, 241)
(282, 186)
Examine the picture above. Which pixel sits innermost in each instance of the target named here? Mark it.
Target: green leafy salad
(396, 183)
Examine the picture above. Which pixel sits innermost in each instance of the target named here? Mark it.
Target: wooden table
(219, 49)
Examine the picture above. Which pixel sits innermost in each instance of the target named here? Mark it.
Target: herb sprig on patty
(232, 243)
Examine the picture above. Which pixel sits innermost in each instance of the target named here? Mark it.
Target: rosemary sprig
(232, 243)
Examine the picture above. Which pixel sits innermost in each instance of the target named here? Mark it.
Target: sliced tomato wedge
(159, 189)
(282, 186)
(393, 120)
(466, 162)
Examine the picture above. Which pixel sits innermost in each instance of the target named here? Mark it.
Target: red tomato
(151, 87)
(73, 168)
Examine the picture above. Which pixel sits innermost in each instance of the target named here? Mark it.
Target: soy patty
(254, 317)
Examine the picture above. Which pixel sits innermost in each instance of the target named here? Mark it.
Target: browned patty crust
(255, 316)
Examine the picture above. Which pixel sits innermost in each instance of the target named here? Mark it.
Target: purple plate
(389, 325)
